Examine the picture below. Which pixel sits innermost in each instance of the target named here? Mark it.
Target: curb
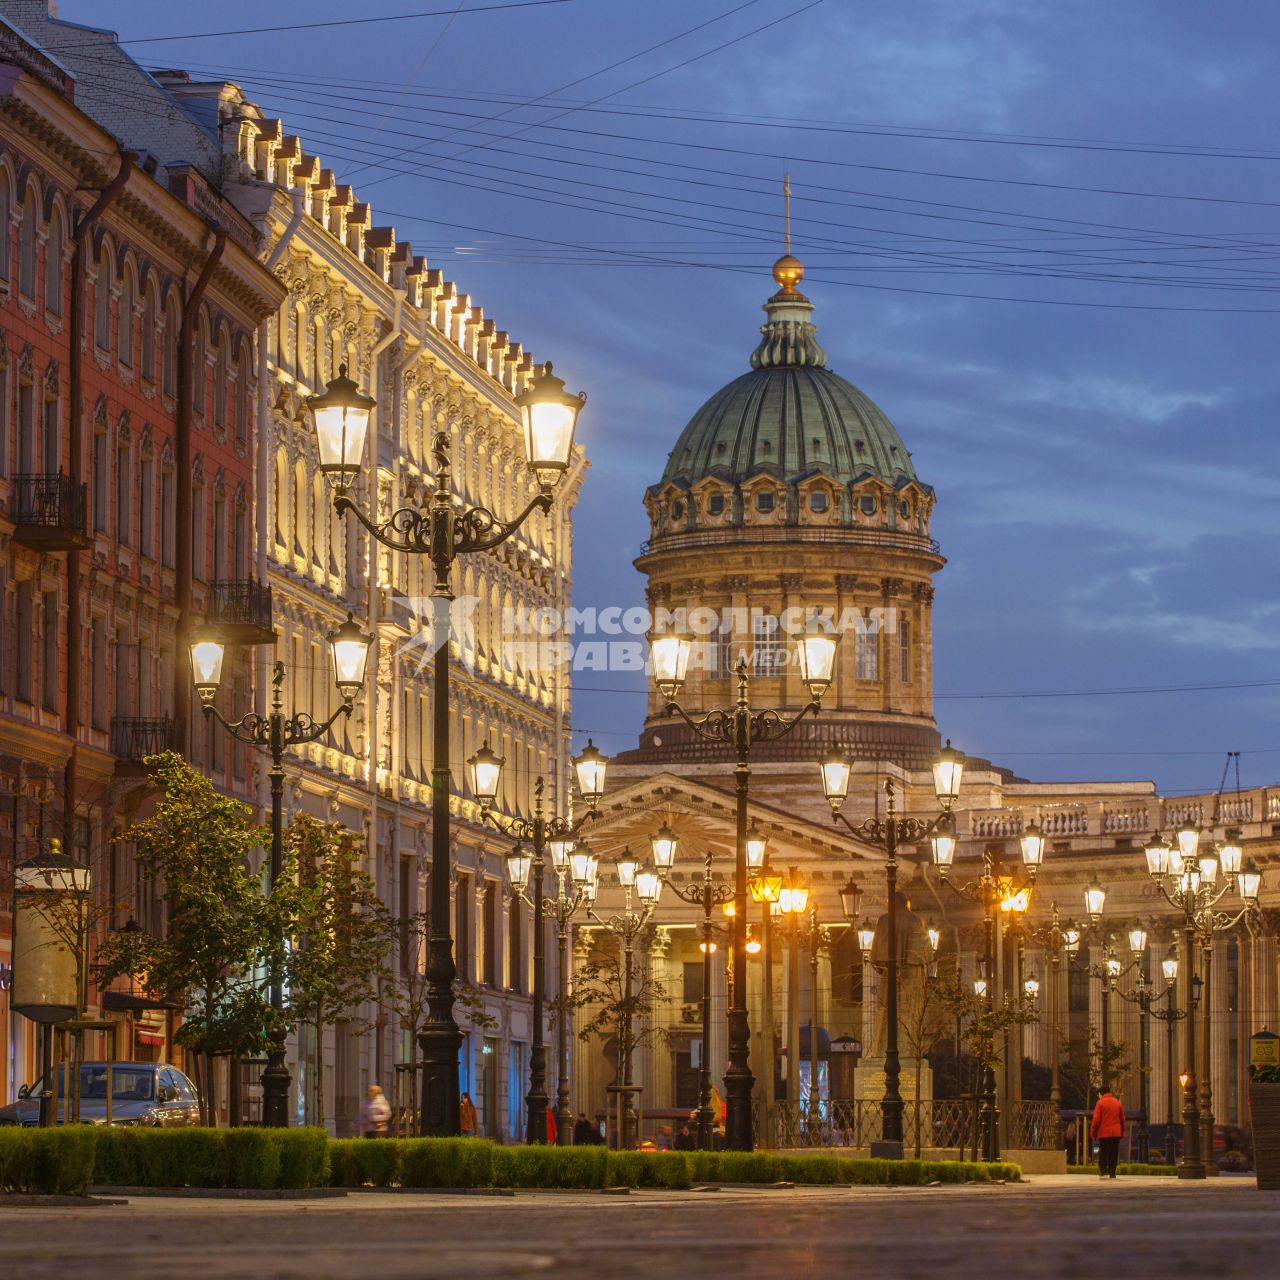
(223, 1193)
(22, 1199)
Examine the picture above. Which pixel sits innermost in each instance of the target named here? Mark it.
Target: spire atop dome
(789, 337)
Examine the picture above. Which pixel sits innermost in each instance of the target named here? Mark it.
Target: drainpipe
(75, 322)
(264, 462)
(182, 513)
(397, 328)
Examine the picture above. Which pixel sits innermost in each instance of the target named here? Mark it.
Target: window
(6, 203)
(102, 302)
(24, 623)
(53, 258)
(282, 498)
(767, 650)
(146, 505)
(197, 532)
(52, 433)
(101, 480)
(867, 504)
(725, 655)
(694, 973)
(677, 510)
(462, 929)
(242, 399)
(123, 660)
(904, 650)
(199, 370)
(764, 501)
(867, 652)
(715, 504)
(27, 429)
(126, 319)
(168, 519)
(49, 660)
(515, 945)
(819, 500)
(27, 247)
(124, 491)
(169, 371)
(221, 375)
(219, 538)
(491, 951)
(240, 543)
(147, 336)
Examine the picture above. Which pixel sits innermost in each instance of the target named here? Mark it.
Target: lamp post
(887, 834)
(739, 727)
(541, 832)
(988, 889)
(707, 895)
(1144, 998)
(444, 530)
(1058, 939)
(793, 900)
(646, 886)
(1191, 884)
(273, 734)
(766, 888)
(1170, 1015)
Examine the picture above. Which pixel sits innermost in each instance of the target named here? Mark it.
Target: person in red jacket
(1107, 1129)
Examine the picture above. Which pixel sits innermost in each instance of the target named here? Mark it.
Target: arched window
(6, 210)
(124, 489)
(302, 337)
(197, 530)
(282, 499)
(102, 301)
(146, 502)
(301, 492)
(172, 324)
(242, 397)
(27, 247)
(318, 505)
(168, 509)
(147, 335)
(126, 318)
(219, 536)
(240, 539)
(199, 367)
(221, 375)
(53, 261)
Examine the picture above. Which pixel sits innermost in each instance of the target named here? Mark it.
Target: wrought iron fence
(940, 1122)
(134, 739)
(49, 501)
(1035, 1125)
(240, 602)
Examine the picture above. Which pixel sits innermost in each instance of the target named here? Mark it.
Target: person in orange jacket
(1107, 1129)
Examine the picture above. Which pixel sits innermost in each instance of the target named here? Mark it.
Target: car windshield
(128, 1084)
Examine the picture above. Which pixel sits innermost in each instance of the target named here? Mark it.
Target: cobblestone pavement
(1052, 1227)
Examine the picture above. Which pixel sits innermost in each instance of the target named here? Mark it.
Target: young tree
(223, 932)
(340, 935)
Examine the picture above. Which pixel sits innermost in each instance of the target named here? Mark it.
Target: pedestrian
(467, 1117)
(585, 1134)
(374, 1120)
(551, 1127)
(1107, 1129)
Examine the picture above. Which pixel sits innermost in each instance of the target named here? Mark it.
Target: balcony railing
(49, 512)
(135, 738)
(240, 608)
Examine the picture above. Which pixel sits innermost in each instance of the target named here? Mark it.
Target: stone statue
(913, 961)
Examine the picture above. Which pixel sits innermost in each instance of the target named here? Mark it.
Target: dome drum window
(715, 504)
(764, 501)
(819, 501)
(867, 504)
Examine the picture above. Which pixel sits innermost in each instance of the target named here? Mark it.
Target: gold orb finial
(788, 271)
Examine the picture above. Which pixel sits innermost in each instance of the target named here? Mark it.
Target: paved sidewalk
(1051, 1227)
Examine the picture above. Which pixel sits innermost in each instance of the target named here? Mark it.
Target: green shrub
(363, 1162)
(252, 1159)
(260, 1159)
(560, 1167)
(1129, 1170)
(665, 1169)
(304, 1157)
(46, 1161)
(446, 1162)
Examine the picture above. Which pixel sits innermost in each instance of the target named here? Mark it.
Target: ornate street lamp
(627, 927)
(554, 836)
(887, 834)
(739, 727)
(1195, 888)
(443, 531)
(273, 734)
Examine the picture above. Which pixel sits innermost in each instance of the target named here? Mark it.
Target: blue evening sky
(1106, 473)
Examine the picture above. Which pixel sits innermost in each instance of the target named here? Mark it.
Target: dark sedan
(142, 1093)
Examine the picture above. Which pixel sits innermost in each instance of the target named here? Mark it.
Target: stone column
(891, 598)
(845, 690)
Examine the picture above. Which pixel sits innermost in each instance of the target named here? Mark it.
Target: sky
(1042, 237)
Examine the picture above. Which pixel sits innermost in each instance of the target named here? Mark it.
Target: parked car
(142, 1093)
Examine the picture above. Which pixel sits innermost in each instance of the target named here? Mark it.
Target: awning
(124, 1002)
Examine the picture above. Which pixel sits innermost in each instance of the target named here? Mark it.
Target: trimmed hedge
(471, 1162)
(46, 1161)
(1130, 1170)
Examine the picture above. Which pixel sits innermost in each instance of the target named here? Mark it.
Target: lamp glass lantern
(1071, 939)
(851, 899)
(1157, 854)
(341, 417)
(1208, 863)
(1095, 898)
(934, 934)
(816, 651)
(349, 652)
(590, 767)
(1249, 883)
(549, 415)
(663, 845)
(947, 772)
(561, 850)
(836, 770)
(866, 938)
(1138, 940)
(519, 864)
(1188, 838)
(980, 988)
(207, 656)
(669, 655)
(757, 848)
(943, 844)
(628, 865)
(648, 887)
(582, 866)
(1032, 841)
(1031, 987)
(1169, 967)
(485, 768)
(1230, 855)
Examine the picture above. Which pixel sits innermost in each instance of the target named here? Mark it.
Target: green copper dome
(790, 416)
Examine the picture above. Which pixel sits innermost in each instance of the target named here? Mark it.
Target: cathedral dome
(790, 416)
